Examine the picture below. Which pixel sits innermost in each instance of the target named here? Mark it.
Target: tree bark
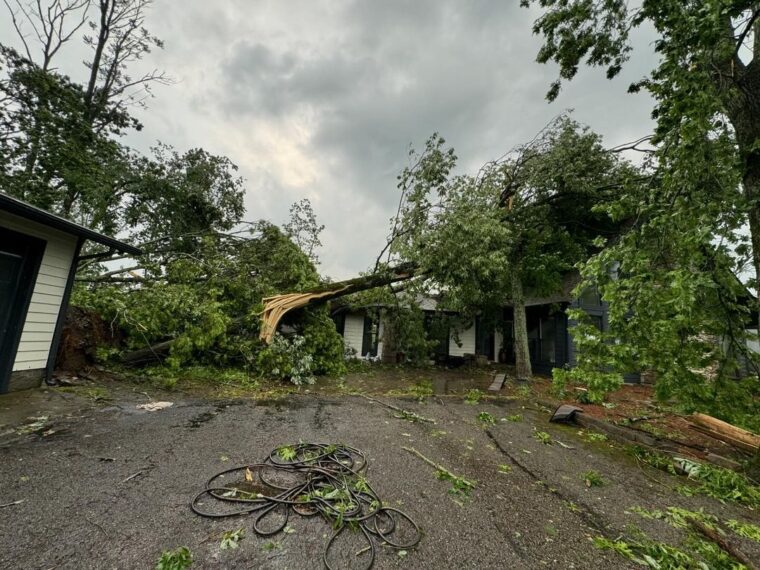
(522, 351)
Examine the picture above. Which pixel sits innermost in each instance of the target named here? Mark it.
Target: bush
(287, 359)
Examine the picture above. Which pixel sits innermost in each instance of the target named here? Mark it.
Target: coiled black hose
(309, 479)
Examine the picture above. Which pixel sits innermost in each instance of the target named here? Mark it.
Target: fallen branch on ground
(459, 485)
(405, 414)
(722, 542)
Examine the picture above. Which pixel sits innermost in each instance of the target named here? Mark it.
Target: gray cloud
(323, 98)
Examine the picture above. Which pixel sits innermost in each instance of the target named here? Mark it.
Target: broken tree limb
(438, 467)
(400, 410)
(726, 432)
(153, 353)
(722, 542)
(277, 306)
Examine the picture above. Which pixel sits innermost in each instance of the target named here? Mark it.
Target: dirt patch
(83, 332)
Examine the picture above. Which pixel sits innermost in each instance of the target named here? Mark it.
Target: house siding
(466, 338)
(39, 324)
(353, 331)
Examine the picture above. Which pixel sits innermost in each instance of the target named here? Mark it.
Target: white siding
(467, 338)
(37, 334)
(353, 331)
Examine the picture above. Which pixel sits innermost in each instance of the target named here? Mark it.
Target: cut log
(725, 432)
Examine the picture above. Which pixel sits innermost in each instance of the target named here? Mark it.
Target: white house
(39, 253)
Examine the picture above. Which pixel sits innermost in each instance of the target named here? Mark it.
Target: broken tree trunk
(277, 306)
(727, 433)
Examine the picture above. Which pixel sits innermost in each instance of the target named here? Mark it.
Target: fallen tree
(275, 308)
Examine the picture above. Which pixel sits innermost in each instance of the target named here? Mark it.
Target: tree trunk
(522, 351)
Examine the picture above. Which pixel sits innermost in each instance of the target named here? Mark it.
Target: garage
(39, 253)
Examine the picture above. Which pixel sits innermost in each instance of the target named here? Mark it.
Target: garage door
(20, 257)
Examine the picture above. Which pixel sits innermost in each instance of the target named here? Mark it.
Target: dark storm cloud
(322, 99)
(383, 75)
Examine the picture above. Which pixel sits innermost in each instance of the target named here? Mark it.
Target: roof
(29, 212)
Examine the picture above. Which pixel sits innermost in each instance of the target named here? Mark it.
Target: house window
(590, 297)
(597, 321)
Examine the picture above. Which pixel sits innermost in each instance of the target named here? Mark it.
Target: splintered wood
(276, 307)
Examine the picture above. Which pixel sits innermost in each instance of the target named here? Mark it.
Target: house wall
(353, 331)
(39, 325)
(466, 338)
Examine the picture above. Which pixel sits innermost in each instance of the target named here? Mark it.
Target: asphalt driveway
(109, 487)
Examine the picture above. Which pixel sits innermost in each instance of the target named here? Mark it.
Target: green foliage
(473, 396)
(514, 418)
(287, 359)
(231, 539)
(178, 559)
(504, 468)
(593, 436)
(676, 307)
(719, 483)
(423, 389)
(323, 342)
(696, 552)
(712, 481)
(486, 419)
(592, 478)
(542, 437)
(287, 452)
(460, 486)
(744, 529)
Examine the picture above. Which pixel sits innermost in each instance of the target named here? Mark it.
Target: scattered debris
(592, 479)
(542, 436)
(135, 475)
(231, 539)
(565, 413)
(178, 559)
(486, 419)
(725, 432)
(315, 479)
(498, 382)
(402, 413)
(154, 406)
(12, 503)
(459, 485)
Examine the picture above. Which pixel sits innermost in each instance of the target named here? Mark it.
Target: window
(590, 297)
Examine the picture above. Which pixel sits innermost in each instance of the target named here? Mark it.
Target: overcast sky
(322, 99)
